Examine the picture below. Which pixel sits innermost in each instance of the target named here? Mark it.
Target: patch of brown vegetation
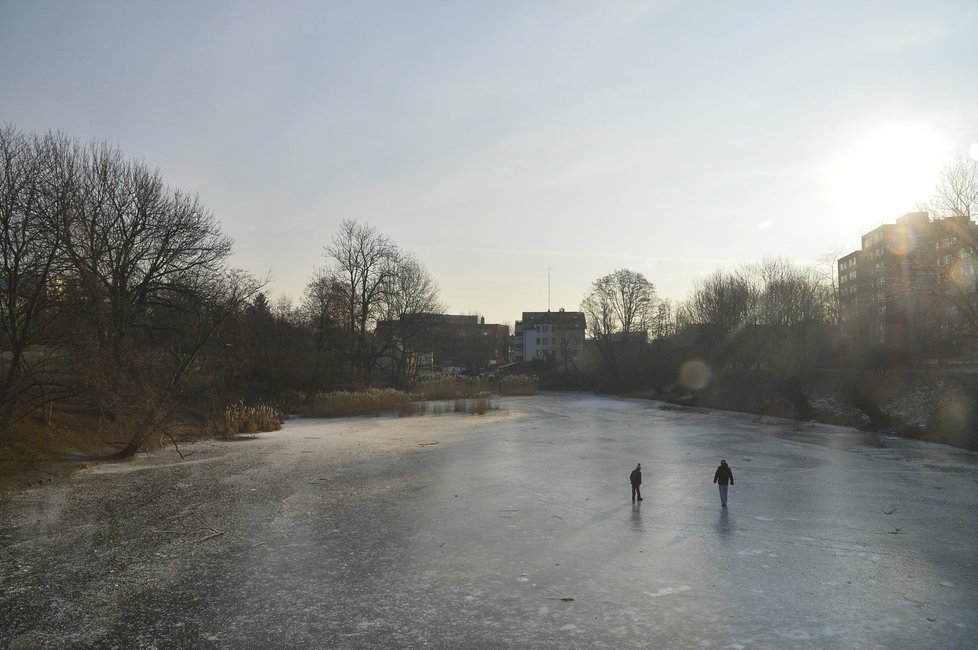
(39, 449)
(65, 439)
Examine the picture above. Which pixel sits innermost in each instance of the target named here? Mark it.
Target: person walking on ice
(723, 476)
(636, 478)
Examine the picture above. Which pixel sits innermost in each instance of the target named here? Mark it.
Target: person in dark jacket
(723, 476)
(636, 478)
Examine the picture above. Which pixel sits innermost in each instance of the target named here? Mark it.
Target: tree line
(773, 313)
(117, 301)
(784, 317)
(115, 287)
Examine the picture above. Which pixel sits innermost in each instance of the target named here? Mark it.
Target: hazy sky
(505, 142)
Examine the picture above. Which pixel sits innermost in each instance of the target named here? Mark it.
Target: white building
(550, 335)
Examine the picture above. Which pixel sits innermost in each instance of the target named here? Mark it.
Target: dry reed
(241, 418)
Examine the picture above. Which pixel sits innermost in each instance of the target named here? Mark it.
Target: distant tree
(259, 305)
(663, 320)
(411, 298)
(955, 268)
(364, 262)
(790, 294)
(292, 344)
(722, 307)
(826, 271)
(620, 309)
(324, 310)
(795, 315)
(956, 192)
(622, 302)
(280, 346)
(774, 313)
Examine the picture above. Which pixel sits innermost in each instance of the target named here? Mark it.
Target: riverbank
(935, 405)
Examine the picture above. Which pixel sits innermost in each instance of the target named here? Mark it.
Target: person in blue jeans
(723, 476)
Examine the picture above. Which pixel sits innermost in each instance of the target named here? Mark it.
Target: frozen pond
(512, 529)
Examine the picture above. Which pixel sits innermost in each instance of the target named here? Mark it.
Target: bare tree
(790, 295)
(622, 302)
(774, 312)
(773, 315)
(794, 314)
(956, 193)
(147, 288)
(113, 287)
(411, 300)
(324, 310)
(663, 321)
(955, 268)
(619, 310)
(278, 344)
(364, 265)
(722, 307)
(37, 176)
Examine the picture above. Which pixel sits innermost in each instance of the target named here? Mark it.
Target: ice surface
(516, 530)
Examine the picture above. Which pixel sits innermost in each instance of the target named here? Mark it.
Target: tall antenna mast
(548, 288)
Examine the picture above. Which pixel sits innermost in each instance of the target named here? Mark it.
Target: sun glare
(886, 171)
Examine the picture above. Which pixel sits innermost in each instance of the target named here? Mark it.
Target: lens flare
(953, 411)
(900, 241)
(694, 374)
(962, 272)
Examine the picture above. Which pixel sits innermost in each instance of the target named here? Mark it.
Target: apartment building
(451, 343)
(555, 335)
(892, 291)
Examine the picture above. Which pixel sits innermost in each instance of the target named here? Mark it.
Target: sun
(886, 170)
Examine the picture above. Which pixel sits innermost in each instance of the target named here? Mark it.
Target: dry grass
(455, 395)
(478, 405)
(371, 402)
(240, 418)
(452, 388)
(466, 388)
(518, 385)
(53, 444)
